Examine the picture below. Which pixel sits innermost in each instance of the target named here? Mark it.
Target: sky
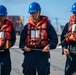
(58, 11)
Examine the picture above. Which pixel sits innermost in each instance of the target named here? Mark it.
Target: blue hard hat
(3, 10)
(73, 7)
(34, 7)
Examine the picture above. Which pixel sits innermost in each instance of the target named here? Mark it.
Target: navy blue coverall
(5, 61)
(37, 60)
(70, 66)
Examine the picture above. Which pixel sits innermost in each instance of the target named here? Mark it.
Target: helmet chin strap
(2, 21)
(37, 15)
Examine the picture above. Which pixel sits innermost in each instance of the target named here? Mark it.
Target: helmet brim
(1, 14)
(73, 11)
(32, 11)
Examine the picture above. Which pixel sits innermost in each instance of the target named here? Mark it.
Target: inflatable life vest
(37, 35)
(5, 35)
(71, 35)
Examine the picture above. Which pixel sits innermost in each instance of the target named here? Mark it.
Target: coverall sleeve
(23, 35)
(64, 44)
(52, 36)
(13, 36)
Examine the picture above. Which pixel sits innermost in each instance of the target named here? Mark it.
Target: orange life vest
(5, 35)
(37, 35)
(71, 35)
